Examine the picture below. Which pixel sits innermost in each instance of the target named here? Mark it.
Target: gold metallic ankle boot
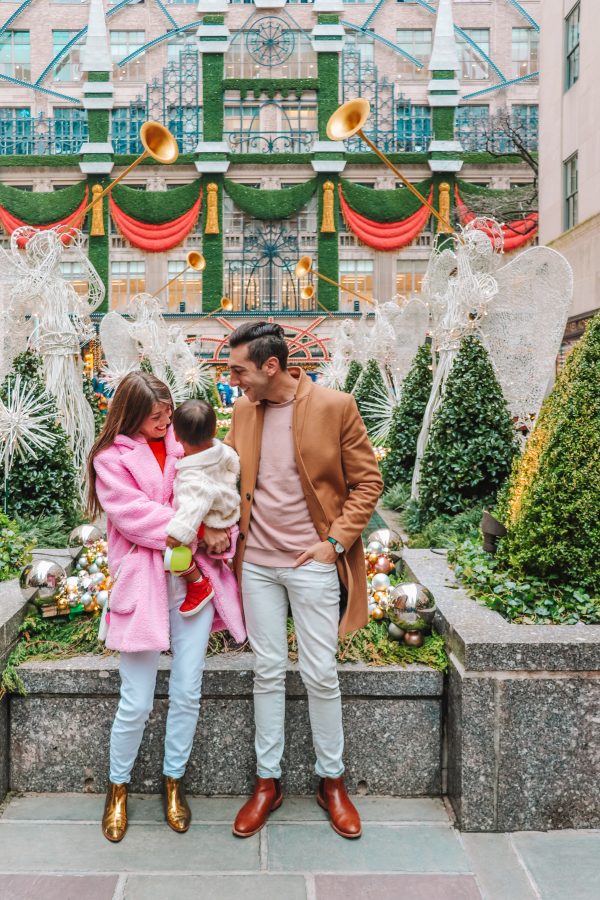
(177, 811)
(114, 820)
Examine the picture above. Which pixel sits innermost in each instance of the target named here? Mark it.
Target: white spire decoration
(444, 55)
(95, 55)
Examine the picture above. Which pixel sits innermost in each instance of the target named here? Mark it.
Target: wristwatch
(336, 544)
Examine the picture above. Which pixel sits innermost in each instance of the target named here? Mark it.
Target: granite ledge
(483, 641)
(226, 675)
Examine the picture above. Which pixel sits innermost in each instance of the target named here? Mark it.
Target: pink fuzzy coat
(136, 497)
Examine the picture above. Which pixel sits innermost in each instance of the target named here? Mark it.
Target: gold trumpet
(225, 305)
(308, 293)
(347, 121)
(304, 267)
(194, 261)
(158, 142)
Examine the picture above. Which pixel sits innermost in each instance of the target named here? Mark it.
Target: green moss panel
(329, 75)
(327, 249)
(443, 123)
(212, 95)
(98, 126)
(99, 247)
(212, 249)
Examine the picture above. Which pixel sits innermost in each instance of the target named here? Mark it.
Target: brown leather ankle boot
(177, 811)
(343, 815)
(114, 820)
(254, 813)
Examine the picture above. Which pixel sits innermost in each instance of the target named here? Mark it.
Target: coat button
(248, 496)
(241, 536)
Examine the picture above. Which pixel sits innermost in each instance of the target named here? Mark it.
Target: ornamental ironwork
(270, 41)
(175, 99)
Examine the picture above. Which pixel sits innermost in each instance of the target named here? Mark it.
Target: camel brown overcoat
(338, 471)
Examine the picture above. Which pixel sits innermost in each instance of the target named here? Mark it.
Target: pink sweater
(137, 497)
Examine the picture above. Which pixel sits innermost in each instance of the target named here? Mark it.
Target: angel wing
(120, 348)
(524, 325)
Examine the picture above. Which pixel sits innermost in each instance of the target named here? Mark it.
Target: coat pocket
(125, 589)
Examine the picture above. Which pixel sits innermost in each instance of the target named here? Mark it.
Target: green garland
(329, 78)
(156, 207)
(328, 248)
(212, 248)
(212, 96)
(44, 207)
(20, 161)
(271, 159)
(277, 204)
(465, 188)
(99, 246)
(270, 86)
(383, 205)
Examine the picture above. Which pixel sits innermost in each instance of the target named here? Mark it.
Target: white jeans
(314, 596)
(189, 639)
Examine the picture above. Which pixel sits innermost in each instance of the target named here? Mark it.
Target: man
(309, 484)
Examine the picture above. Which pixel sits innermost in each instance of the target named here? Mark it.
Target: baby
(205, 491)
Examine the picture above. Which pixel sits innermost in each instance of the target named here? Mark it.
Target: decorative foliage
(275, 204)
(385, 236)
(406, 420)
(14, 548)
(212, 249)
(329, 90)
(157, 207)
(352, 377)
(368, 385)
(383, 205)
(92, 398)
(156, 238)
(552, 503)
(50, 485)
(472, 442)
(44, 207)
(328, 248)
(25, 423)
(270, 86)
(212, 87)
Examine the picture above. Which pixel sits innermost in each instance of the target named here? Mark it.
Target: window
(185, 294)
(185, 124)
(356, 274)
(525, 117)
(16, 130)
(571, 193)
(474, 67)
(409, 276)
(572, 46)
(15, 55)
(524, 51)
(417, 42)
(70, 129)
(413, 127)
(361, 44)
(127, 279)
(126, 123)
(122, 43)
(185, 45)
(471, 126)
(67, 68)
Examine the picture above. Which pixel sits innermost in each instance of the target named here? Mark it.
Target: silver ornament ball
(84, 536)
(102, 598)
(389, 539)
(375, 547)
(380, 582)
(42, 580)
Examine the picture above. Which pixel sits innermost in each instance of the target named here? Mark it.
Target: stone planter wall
(523, 713)
(60, 730)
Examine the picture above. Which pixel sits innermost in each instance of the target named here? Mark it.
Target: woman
(131, 471)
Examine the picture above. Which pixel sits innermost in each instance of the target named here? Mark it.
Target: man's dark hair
(264, 339)
(195, 422)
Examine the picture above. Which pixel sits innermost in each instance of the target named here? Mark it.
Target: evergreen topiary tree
(354, 371)
(47, 485)
(368, 388)
(552, 505)
(397, 467)
(472, 441)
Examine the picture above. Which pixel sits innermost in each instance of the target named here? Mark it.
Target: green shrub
(46, 531)
(407, 419)
(397, 497)
(369, 387)
(352, 376)
(472, 441)
(443, 531)
(523, 601)
(14, 548)
(46, 485)
(552, 506)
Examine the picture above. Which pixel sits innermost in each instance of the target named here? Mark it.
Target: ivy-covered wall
(212, 249)
(327, 249)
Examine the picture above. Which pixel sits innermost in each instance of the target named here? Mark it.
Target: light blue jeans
(189, 639)
(313, 591)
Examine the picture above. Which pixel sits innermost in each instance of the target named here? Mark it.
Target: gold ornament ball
(413, 639)
(377, 613)
(384, 565)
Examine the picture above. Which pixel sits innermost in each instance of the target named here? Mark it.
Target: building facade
(569, 114)
(247, 89)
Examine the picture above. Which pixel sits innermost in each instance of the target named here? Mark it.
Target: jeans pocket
(323, 567)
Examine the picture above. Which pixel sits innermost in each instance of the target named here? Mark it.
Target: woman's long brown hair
(133, 402)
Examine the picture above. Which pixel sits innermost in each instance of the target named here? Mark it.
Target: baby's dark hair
(195, 422)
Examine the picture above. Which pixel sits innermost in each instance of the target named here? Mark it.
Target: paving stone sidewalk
(51, 848)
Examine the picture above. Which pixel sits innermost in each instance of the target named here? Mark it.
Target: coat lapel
(141, 463)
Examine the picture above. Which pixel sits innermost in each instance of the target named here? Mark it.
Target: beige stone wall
(569, 124)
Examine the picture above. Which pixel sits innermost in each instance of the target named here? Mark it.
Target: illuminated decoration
(305, 346)
(11, 223)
